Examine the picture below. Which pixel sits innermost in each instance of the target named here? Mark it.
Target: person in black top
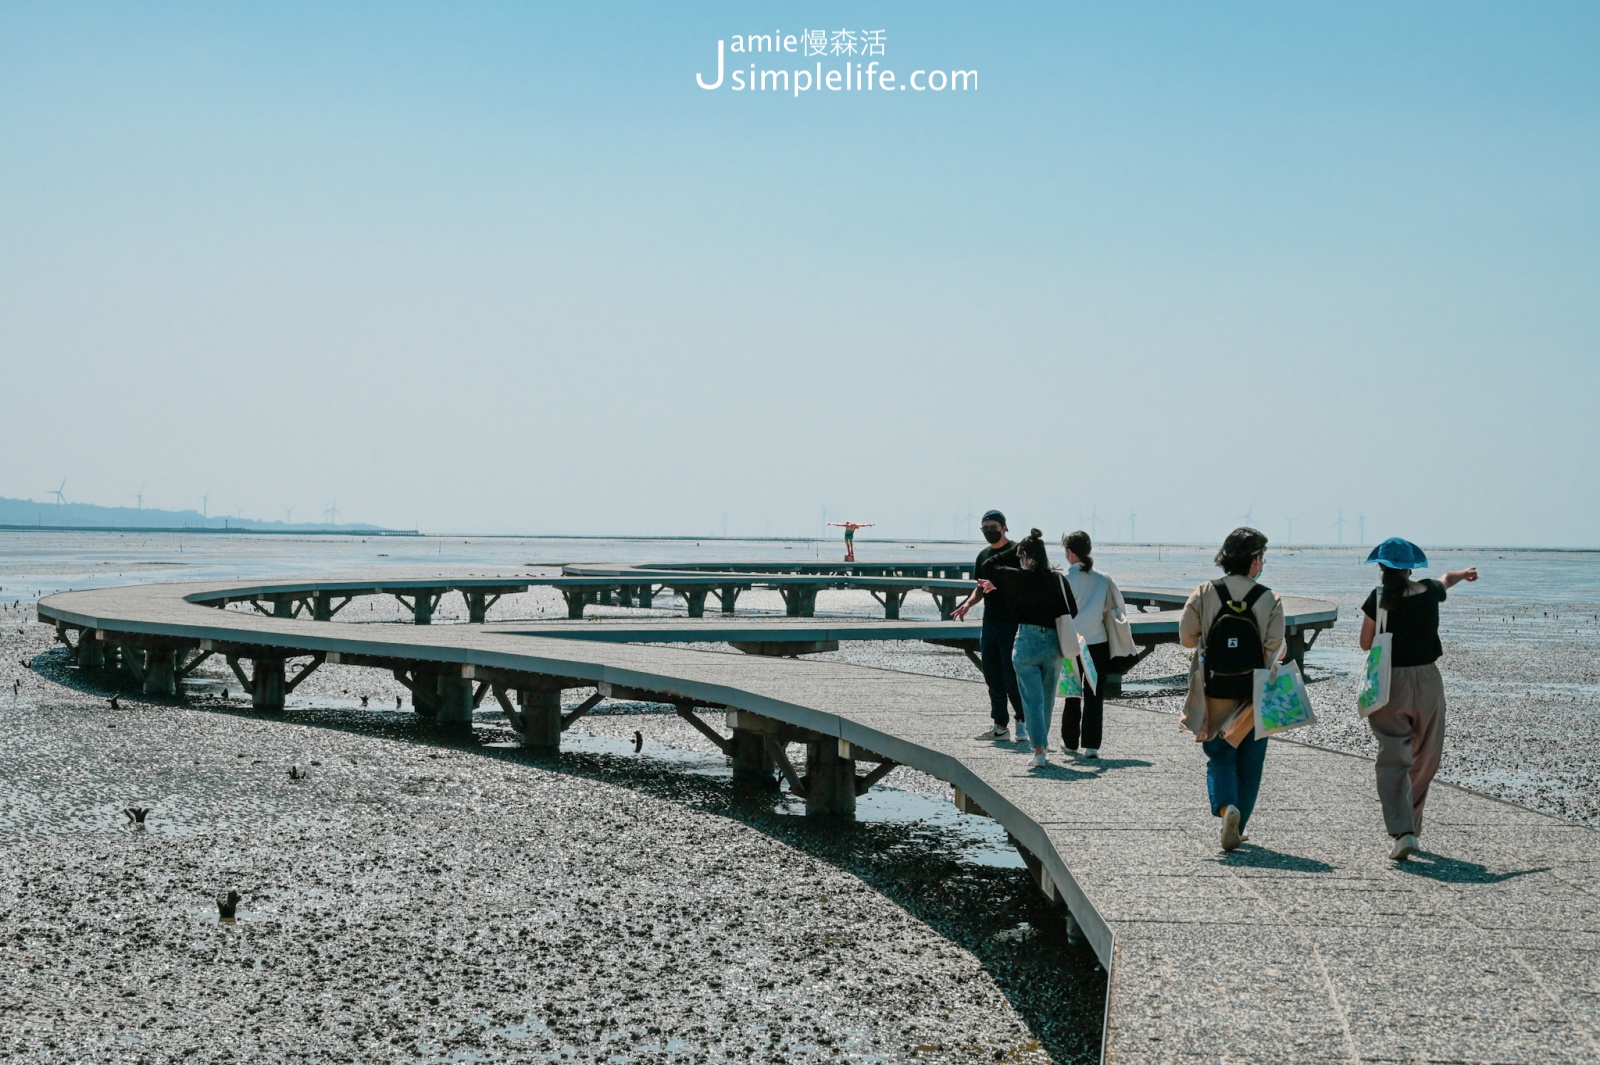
(1037, 595)
(999, 631)
(1410, 726)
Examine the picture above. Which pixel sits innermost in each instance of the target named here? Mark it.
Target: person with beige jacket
(1218, 710)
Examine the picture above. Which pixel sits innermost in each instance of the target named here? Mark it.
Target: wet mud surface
(409, 901)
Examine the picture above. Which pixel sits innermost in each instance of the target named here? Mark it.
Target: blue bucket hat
(1399, 554)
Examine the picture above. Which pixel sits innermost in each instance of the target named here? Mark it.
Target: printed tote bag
(1374, 693)
(1280, 700)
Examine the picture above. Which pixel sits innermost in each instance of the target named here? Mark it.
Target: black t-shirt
(995, 607)
(1035, 596)
(1414, 622)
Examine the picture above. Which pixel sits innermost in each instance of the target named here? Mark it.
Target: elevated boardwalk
(1306, 945)
(638, 586)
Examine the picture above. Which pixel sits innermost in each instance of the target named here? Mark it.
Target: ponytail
(1080, 544)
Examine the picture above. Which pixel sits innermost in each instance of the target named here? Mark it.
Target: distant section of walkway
(1306, 945)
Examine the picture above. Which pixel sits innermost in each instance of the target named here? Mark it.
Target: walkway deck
(1306, 945)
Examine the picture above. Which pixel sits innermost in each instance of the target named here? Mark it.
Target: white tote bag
(1280, 700)
(1119, 632)
(1374, 693)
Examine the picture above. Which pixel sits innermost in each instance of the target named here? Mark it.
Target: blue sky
(506, 268)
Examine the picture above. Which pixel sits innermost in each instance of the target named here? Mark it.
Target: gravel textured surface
(408, 901)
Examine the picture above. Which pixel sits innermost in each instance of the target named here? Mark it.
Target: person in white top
(1082, 720)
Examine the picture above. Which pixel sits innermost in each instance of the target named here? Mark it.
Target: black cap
(993, 515)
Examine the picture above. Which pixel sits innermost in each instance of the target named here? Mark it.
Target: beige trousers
(1410, 732)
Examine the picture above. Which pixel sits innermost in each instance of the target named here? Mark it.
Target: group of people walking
(1235, 626)
(1020, 644)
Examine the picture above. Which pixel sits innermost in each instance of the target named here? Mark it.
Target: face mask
(993, 535)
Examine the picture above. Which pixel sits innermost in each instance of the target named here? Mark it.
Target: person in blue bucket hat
(1395, 553)
(1409, 728)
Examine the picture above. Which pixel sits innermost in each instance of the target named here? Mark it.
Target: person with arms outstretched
(1409, 728)
(850, 528)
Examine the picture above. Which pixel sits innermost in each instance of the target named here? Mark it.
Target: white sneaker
(1230, 828)
(1404, 847)
(995, 733)
(1022, 735)
(1040, 761)
(1091, 752)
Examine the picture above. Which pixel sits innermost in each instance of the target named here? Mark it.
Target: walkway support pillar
(577, 599)
(695, 600)
(422, 608)
(1295, 647)
(91, 652)
(800, 601)
(947, 602)
(728, 595)
(892, 599)
(266, 684)
(752, 765)
(540, 710)
(830, 779)
(161, 672)
(453, 706)
(478, 604)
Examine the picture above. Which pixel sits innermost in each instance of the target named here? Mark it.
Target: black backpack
(1233, 646)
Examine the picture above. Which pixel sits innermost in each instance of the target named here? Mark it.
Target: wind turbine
(1340, 522)
(288, 515)
(1249, 516)
(1291, 521)
(138, 497)
(60, 498)
(1361, 528)
(1133, 535)
(333, 512)
(205, 505)
(1094, 521)
(970, 517)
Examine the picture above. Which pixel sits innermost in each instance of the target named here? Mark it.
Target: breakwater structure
(1306, 945)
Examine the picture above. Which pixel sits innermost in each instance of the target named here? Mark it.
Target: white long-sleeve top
(1090, 590)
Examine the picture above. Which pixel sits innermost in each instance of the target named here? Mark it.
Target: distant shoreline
(671, 538)
(207, 530)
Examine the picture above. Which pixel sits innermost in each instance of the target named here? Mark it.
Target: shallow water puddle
(976, 840)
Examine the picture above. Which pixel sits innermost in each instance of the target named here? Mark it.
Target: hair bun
(1035, 534)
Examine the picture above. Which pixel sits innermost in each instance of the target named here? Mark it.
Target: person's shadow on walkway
(1250, 856)
(1456, 871)
(1097, 766)
(1056, 771)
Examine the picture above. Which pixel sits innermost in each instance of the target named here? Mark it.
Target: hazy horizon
(1158, 269)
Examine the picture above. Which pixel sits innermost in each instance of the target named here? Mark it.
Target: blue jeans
(994, 647)
(1037, 660)
(1233, 774)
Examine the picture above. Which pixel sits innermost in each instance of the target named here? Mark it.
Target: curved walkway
(1305, 946)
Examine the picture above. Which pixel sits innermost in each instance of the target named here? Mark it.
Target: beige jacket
(1208, 718)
